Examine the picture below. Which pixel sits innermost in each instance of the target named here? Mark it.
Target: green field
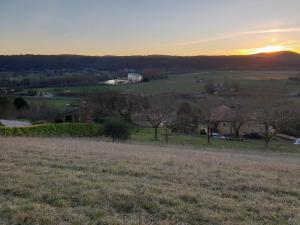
(190, 83)
(194, 82)
(146, 135)
(55, 102)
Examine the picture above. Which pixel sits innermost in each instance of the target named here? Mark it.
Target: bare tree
(270, 110)
(186, 118)
(291, 125)
(85, 110)
(205, 111)
(6, 107)
(240, 114)
(235, 86)
(209, 87)
(157, 112)
(112, 104)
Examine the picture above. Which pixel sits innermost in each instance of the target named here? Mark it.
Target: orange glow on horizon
(267, 49)
(271, 48)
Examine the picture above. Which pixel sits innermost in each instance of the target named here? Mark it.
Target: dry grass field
(82, 181)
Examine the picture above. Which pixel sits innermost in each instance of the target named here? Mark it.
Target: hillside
(78, 181)
(273, 61)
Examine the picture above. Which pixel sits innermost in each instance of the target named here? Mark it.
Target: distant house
(222, 113)
(224, 116)
(131, 78)
(116, 82)
(110, 82)
(134, 78)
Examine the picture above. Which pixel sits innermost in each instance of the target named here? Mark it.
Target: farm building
(224, 116)
(116, 82)
(135, 78)
(131, 78)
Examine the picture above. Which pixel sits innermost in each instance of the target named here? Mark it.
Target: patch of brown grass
(81, 181)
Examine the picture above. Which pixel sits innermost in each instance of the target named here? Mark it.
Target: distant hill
(264, 61)
(278, 54)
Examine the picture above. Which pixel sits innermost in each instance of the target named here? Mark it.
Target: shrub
(202, 132)
(295, 78)
(209, 87)
(69, 119)
(20, 103)
(59, 120)
(253, 136)
(102, 120)
(39, 122)
(116, 130)
(55, 130)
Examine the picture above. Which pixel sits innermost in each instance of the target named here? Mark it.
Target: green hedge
(55, 130)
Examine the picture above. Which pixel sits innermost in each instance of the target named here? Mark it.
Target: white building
(135, 78)
(110, 82)
(131, 78)
(116, 82)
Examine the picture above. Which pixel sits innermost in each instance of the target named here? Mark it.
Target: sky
(147, 27)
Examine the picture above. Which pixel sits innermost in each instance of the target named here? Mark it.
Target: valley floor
(53, 181)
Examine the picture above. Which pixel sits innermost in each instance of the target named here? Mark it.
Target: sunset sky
(145, 27)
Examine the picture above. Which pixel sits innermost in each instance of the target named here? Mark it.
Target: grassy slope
(146, 135)
(78, 181)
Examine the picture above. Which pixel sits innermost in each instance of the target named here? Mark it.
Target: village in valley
(225, 109)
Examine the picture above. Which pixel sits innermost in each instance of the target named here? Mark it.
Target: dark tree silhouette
(21, 104)
(117, 130)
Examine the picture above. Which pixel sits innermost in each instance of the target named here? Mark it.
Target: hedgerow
(55, 130)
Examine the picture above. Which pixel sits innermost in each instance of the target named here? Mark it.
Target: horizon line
(141, 55)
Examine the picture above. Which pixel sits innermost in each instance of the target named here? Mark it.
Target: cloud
(240, 34)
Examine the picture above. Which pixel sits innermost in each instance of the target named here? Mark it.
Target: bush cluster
(117, 130)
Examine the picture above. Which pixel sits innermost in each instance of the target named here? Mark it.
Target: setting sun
(270, 49)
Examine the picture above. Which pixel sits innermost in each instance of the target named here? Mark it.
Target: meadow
(52, 181)
(146, 135)
(192, 82)
(188, 83)
(58, 103)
